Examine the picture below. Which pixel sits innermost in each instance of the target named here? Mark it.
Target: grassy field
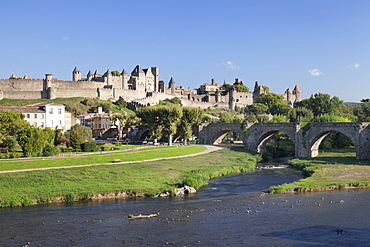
(331, 170)
(151, 178)
(98, 158)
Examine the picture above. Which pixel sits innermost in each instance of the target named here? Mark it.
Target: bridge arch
(214, 133)
(318, 131)
(264, 139)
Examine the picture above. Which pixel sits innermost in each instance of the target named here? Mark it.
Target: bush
(89, 146)
(117, 144)
(50, 151)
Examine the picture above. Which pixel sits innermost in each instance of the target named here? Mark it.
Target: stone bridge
(305, 137)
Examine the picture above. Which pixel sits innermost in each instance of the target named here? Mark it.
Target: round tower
(232, 102)
(172, 86)
(297, 94)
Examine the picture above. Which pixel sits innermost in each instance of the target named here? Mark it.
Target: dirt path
(210, 148)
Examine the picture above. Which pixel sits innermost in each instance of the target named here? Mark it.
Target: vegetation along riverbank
(130, 179)
(329, 171)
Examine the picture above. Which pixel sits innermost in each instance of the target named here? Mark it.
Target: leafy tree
(190, 116)
(123, 122)
(321, 103)
(270, 99)
(79, 134)
(279, 119)
(241, 88)
(256, 108)
(362, 111)
(330, 118)
(115, 73)
(237, 120)
(266, 88)
(11, 123)
(10, 142)
(121, 103)
(174, 100)
(226, 117)
(280, 109)
(300, 114)
(32, 141)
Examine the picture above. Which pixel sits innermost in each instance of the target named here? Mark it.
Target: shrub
(117, 144)
(50, 151)
(89, 146)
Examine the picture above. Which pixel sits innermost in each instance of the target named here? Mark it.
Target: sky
(323, 46)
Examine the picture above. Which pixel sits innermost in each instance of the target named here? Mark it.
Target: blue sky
(320, 45)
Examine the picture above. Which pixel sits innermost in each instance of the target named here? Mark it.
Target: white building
(45, 115)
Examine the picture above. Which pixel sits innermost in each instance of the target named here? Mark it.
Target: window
(42, 115)
(59, 110)
(60, 123)
(42, 124)
(34, 115)
(51, 111)
(28, 115)
(35, 124)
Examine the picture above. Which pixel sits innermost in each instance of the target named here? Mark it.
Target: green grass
(97, 158)
(152, 178)
(330, 170)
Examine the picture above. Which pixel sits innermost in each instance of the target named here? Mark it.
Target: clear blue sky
(321, 45)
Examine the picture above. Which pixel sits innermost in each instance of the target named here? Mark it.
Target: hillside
(78, 106)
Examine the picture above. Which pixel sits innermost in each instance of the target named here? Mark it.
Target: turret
(232, 102)
(156, 78)
(89, 75)
(288, 96)
(76, 74)
(297, 93)
(172, 85)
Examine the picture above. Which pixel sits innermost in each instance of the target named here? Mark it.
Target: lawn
(99, 158)
(330, 170)
(151, 178)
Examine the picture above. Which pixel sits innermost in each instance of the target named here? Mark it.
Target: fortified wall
(141, 88)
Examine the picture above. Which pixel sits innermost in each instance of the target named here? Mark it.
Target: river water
(230, 211)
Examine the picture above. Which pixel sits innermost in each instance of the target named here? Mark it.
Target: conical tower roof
(296, 89)
(76, 70)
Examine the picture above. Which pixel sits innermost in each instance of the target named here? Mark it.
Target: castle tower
(232, 102)
(76, 74)
(108, 77)
(172, 85)
(125, 79)
(156, 78)
(288, 96)
(138, 79)
(297, 93)
(89, 75)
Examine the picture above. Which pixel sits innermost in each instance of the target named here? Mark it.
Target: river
(230, 211)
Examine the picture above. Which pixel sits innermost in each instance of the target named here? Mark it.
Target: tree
(11, 123)
(115, 73)
(241, 88)
(226, 117)
(279, 119)
(330, 118)
(190, 117)
(300, 114)
(256, 109)
(123, 122)
(321, 103)
(121, 103)
(270, 99)
(33, 141)
(362, 111)
(280, 109)
(79, 134)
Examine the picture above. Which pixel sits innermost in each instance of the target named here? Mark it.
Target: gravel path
(210, 148)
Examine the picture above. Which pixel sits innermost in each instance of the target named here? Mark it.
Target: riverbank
(112, 180)
(329, 171)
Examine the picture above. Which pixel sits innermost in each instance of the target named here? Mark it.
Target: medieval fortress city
(141, 88)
